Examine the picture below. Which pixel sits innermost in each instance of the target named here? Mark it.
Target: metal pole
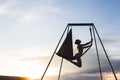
(105, 53)
(60, 69)
(54, 53)
(80, 24)
(97, 54)
(62, 60)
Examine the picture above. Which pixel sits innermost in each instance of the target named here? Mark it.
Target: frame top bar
(80, 24)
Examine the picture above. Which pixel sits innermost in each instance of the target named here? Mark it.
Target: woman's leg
(77, 57)
(79, 62)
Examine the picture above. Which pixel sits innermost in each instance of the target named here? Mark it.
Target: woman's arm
(87, 43)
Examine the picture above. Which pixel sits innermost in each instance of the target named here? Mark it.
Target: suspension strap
(91, 43)
(91, 33)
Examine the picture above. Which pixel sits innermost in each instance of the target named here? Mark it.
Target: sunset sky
(31, 29)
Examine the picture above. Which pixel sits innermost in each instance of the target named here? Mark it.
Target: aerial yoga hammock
(66, 50)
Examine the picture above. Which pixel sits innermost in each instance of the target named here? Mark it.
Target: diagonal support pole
(101, 78)
(60, 69)
(62, 61)
(53, 53)
(105, 53)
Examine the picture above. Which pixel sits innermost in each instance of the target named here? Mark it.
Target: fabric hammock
(66, 50)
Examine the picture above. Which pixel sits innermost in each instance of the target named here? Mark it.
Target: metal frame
(94, 31)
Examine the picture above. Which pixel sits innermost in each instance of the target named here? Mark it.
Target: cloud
(111, 41)
(6, 7)
(6, 58)
(3, 9)
(30, 14)
(48, 8)
(112, 46)
(88, 76)
(105, 66)
(39, 13)
(29, 17)
(76, 76)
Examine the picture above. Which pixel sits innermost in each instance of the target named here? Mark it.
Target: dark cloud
(79, 76)
(75, 76)
(103, 59)
(110, 41)
(116, 64)
(105, 66)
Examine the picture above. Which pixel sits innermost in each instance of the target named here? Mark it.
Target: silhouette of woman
(80, 48)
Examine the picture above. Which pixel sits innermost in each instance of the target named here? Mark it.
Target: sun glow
(29, 69)
(110, 76)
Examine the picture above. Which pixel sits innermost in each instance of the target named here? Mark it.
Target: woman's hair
(77, 41)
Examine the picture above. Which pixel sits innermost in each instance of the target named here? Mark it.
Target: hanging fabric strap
(91, 33)
(91, 43)
(62, 61)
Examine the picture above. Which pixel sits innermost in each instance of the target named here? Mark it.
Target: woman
(80, 48)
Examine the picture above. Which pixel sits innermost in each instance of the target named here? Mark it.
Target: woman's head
(77, 41)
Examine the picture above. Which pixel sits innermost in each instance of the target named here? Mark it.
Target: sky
(30, 31)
